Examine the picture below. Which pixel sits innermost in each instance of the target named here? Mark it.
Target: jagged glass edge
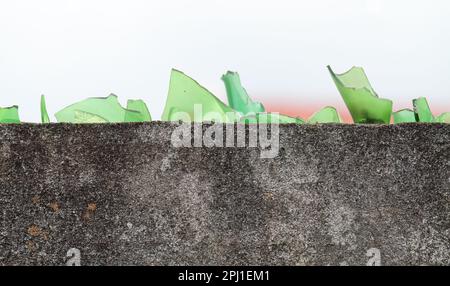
(134, 112)
(232, 81)
(314, 120)
(370, 92)
(404, 116)
(7, 119)
(168, 111)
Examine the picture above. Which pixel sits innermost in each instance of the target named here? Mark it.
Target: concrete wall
(122, 194)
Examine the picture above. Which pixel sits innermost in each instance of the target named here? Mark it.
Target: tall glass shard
(422, 110)
(9, 114)
(107, 108)
(44, 113)
(404, 116)
(325, 115)
(361, 100)
(189, 101)
(238, 98)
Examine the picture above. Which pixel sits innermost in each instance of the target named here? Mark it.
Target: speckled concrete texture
(121, 194)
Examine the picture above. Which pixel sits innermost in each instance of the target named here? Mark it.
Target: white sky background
(70, 50)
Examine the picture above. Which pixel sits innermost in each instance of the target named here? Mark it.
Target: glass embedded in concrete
(360, 98)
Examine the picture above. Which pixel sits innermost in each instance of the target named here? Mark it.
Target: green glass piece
(44, 113)
(404, 116)
(176, 114)
(189, 101)
(133, 116)
(325, 115)
(86, 117)
(268, 118)
(422, 110)
(361, 100)
(9, 114)
(139, 106)
(238, 98)
(107, 108)
(443, 118)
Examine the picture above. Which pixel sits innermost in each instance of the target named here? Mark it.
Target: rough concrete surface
(121, 194)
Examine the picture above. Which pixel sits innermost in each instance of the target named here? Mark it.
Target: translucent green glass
(443, 118)
(238, 98)
(86, 117)
(44, 113)
(325, 115)
(421, 113)
(404, 116)
(361, 100)
(100, 109)
(189, 101)
(422, 110)
(268, 118)
(139, 106)
(9, 114)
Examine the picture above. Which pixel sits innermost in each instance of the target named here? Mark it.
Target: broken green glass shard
(325, 115)
(361, 100)
(44, 113)
(86, 117)
(443, 118)
(238, 98)
(268, 118)
(9, 114)
(139, 106)
(189, 101)
(404, 116)
(104, 108)
(422, 110)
